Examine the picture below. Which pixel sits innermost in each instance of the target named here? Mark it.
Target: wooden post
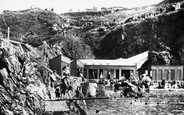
(8, 33)
(87, 73)
(98, 73)
(85, 106)
(2, 43)
(84, 101)
(119, 73)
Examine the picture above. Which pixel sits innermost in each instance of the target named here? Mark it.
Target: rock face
(33, 26)
(157, 29)
(25, 83)
(170, 1)
(16, 98)
(122, 33)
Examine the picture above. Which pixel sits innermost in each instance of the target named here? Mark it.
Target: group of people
(168, 84)
(60, 86)
(131, 87)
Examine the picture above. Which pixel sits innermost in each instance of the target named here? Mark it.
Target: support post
(8, 33)
(104, 74)
(119, 73)
(87, 75)
(98, 73)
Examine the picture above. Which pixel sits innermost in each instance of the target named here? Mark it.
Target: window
(117, 74)
(85, 73)
(172, 74)
(178, 75)
(166, 74)
(160, 77)
(91, 74)
(154, 72)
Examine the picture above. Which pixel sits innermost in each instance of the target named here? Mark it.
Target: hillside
(170, 1)
(33, 26)
(101, 34)
(157, 29)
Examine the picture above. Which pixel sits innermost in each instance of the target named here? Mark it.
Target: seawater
(142, 106)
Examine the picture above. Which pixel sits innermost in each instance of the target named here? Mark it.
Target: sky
(61, 6)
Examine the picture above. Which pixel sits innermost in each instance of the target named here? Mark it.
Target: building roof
(63, 58)
(137, 60)
(139, 57)
(107, 62)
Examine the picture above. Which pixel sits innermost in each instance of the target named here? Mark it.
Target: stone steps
(54, 105)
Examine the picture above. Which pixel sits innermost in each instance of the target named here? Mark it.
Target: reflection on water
(143, 106)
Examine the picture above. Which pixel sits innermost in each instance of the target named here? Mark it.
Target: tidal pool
(160, 103)
(141, 106)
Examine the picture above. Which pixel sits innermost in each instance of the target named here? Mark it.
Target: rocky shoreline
(22, 83)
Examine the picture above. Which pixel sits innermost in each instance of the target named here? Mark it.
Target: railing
(13, 45)
(48, 69)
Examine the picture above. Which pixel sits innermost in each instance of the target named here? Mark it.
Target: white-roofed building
(113, 68)
(118, 68)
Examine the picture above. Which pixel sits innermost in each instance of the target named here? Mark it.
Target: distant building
(49, 9)
(108, 68)
(93, 68)
(95, 8)
(116, 68)
(89, 10)
(58, 63)
(169, 73)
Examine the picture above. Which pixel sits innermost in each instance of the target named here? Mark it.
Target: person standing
(92, 89)
(53, 78)
(57, 92)
(101, 81)
(66, 71)
(66, 86)
(146, 80)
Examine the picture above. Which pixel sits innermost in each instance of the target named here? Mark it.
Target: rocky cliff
(102, 34)
(158, 29)
(21, 85)
(33, 26)
(25, 80)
